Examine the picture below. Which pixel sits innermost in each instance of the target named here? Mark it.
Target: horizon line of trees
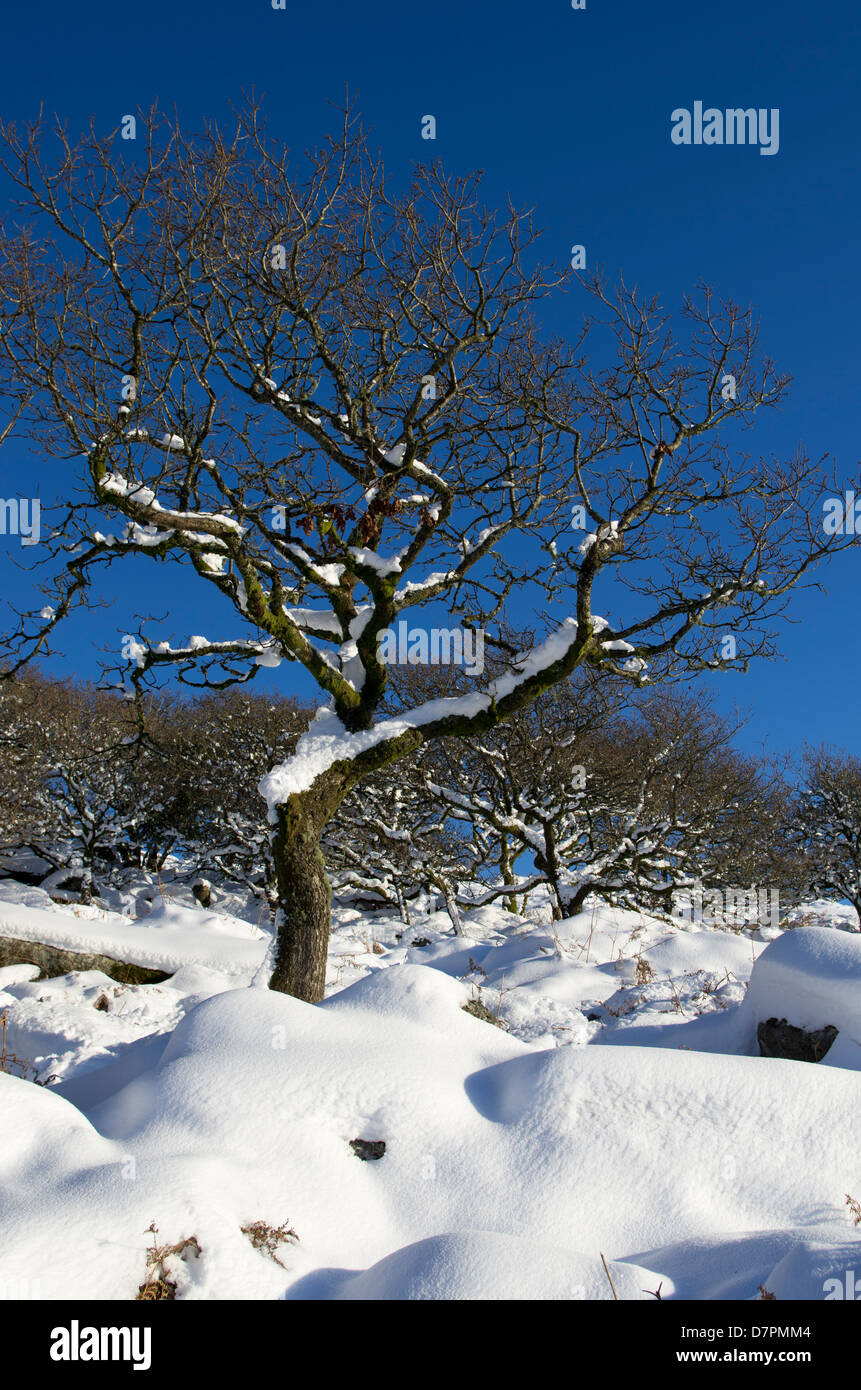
(594, 789)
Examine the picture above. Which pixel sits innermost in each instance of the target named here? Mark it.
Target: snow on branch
(328, 742)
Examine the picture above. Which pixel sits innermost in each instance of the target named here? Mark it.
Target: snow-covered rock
(169, 936)
(810, 976)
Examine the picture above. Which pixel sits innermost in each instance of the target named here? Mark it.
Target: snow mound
(487, 1265)
(507, 1171)
(167, 939)
(815, 1269)
(26, 895)
(169, 916)
(17, 975)
(42, 1132)
(791, 1264)
(64, 1028)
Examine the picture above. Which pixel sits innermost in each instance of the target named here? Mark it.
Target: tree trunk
(507, 871)
(548, 864)
(303, 920)
(574, 904)
(450, 901)
(403, 909)
(87, 885)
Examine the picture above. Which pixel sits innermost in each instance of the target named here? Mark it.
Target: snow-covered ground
(620, 1109)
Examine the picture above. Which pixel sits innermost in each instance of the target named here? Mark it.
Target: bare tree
(825, 823)
(522, 787)
(220, 746)
(326, 403)
(82, 792)
(394, 839)
(629, 801)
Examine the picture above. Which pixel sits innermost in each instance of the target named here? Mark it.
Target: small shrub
(157, 1285)
(480, 1010)
(268, 1238)
(645, 973)
(18, 1066)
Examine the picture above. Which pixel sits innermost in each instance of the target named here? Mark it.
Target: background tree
(82, 792)
(703, 810)
(522, 787)
(392, 838)
(825, 823)
(221, 746)
(631, 801)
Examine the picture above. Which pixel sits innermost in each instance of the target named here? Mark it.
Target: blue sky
(568, 112)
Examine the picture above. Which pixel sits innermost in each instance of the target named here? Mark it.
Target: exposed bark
(576, 901)
(202, 892)
(403, 908)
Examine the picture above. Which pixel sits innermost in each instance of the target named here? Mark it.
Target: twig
(609, 1276)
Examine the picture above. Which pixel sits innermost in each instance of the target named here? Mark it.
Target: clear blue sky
(569, 112)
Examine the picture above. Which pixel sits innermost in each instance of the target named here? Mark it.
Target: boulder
(56, 960)
(777, 1038)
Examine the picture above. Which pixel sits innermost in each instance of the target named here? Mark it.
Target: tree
(825, 823)
(391, 837)
(83, 793)
(22, 807)
(327, 404)
(631, 801)
(524, 788)
(700, 810)
(221, 745)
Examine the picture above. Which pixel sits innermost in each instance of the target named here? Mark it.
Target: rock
(202, 890)
(421, 941)
(368, 1149)
(777, 1038)
(55, 960)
